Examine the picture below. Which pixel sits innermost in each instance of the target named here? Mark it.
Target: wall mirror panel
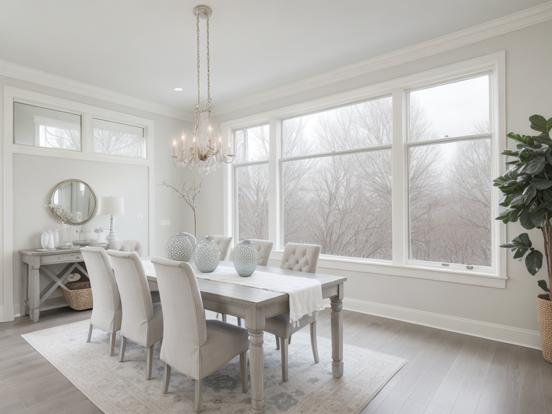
(73, 202)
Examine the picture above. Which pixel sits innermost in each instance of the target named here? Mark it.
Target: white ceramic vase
(181, 247)
(245, 258)
(207, 255)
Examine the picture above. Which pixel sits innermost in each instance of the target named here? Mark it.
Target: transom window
(40, 126)
(403, 178)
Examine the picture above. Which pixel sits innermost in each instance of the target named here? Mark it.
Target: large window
(401, 178)
(251, 146)
(449, 165)
(336, 179)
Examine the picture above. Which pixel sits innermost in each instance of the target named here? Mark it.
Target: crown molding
(27, 74)
(496, 27)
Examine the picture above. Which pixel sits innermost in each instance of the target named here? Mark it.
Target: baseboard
(488, 330)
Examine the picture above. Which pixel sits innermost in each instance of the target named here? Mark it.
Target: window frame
(235, 167)
(86, 113)
(400, 265)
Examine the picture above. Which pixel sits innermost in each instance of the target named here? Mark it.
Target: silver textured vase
(245, 258)
(207, 255)
(181, 247)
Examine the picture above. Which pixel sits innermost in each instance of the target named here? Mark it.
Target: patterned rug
(118, 388)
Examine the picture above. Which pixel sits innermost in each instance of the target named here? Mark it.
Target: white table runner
(305, 294)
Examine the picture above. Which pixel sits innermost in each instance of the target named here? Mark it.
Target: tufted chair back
(128, 246)
(264, 248)
(300, 257)
(223, 244)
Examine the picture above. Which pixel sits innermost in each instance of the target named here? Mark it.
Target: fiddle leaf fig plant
(527, 190)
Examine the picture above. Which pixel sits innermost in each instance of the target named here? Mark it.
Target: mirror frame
(51, 206)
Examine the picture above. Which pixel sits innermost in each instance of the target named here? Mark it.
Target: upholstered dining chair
(128, 246)
(141, 322)
(223, 244)
(192, 345)
(106, 310)
(300, 258)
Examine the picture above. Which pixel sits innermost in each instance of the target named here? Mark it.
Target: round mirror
(73, 202)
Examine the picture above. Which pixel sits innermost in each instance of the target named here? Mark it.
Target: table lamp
(112, 206)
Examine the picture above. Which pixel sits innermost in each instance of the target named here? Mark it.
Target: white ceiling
(145, 48)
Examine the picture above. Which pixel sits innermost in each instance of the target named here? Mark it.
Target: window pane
(342, 203)
(114, 138)
(252, 144)
(48, 128)
(450, 207)
(450, 110)
(348, 127)
(252, 198)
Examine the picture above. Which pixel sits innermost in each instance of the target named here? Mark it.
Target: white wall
(507, 314)
(34, 177)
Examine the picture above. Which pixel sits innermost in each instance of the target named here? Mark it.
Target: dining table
(255, 305)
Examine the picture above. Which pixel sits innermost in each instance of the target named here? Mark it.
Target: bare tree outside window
(251, 181)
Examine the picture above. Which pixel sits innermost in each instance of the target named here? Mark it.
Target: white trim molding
(482, 329)
(27, 74)
(493, 28)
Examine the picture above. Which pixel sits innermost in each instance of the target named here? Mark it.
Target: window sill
(329, 263)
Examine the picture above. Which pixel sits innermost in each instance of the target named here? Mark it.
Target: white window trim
(9, 150)
(400, 265)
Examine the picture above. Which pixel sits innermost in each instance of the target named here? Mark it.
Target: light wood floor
(446, 373)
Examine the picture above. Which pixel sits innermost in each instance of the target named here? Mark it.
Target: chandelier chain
(208, 62)
(198, 63)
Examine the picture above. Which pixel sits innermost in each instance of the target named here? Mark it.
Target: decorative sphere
(245, 258)
(207, 255)
(181, 247)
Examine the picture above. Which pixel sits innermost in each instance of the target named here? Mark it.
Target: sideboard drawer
(62, 258)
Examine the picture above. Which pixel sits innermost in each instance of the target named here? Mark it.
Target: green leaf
(538, 123)
(535, 166)
(519, 253)
(541, 183)
(533, 261)
(522, 240)
(526, 221)
(549, 124)
(542, 284)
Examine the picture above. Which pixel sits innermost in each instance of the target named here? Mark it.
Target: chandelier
(205, 149)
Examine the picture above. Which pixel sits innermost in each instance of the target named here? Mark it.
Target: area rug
(117, 388)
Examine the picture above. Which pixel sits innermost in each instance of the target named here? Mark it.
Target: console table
(37, 262)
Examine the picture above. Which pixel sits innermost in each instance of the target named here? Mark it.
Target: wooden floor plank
(446, 373)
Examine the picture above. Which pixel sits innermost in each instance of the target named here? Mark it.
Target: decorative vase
(207, 255)
(181, 247)
(45, 239)
(544, 312)
(245, 258)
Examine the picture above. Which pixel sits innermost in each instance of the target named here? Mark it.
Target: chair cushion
(280, 326)
(224, 342)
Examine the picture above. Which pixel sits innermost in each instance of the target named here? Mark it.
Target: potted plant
(527, 189)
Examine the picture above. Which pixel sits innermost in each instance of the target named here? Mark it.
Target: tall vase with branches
(189, 193)
(527, 189)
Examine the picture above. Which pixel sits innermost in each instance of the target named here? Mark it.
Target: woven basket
(78, 295)
(544, 311)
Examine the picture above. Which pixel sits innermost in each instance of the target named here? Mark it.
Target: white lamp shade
(112, 206)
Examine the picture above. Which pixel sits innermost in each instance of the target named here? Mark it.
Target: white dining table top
(250, 294)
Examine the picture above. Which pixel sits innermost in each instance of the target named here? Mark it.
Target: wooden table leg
(33, 290)
(337, 334)
(256, 357)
